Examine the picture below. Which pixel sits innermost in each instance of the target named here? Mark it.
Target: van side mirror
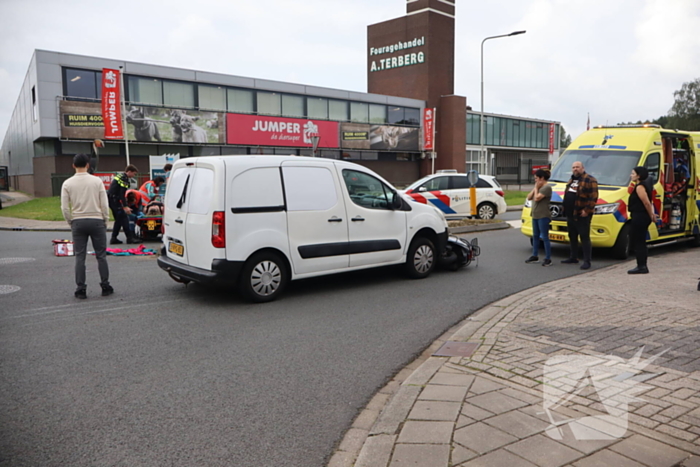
(422, 189)
(396, 202)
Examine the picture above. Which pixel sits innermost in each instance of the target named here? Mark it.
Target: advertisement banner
(428, 129)
(551, 138)
(393, 138)
(354, 135)
(279, 131)
(106, 178)
(111, 104)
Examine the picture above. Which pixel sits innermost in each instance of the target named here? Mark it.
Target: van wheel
(621, 249)
(264, 277)
(420, 260)
(486, 211)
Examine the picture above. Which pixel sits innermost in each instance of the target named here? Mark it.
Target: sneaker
(107, 290)
(586, 265)
(532, 259)
(570, 261)
(115, 241)
(547, 262)
(81, 294)
(132, 240)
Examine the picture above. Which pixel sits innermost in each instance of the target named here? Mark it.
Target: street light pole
(481, 123)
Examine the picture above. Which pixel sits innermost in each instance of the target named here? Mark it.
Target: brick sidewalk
(489, 409)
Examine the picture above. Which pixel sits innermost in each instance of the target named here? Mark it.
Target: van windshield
(608, 167)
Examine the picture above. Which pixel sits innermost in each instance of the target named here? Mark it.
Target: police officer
(117, 203)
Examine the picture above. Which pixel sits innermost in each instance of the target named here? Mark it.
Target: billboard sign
(279, 131)
(428, 129)
(393, 138)
(551, 138)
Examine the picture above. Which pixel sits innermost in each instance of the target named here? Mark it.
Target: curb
(478, 228)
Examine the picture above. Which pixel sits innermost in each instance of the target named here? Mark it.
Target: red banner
(551, 138)
(280, 131)
(428, 129)
(111, 104)
(106, 178)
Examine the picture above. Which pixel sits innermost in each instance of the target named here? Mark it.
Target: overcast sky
(619, 60)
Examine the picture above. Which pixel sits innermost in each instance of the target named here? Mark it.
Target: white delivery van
(260, 221)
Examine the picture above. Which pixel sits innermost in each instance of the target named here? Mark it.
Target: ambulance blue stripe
(620, 218)
(442, 206)
(556, 197)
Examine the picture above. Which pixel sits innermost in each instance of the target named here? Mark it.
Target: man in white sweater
(85, 208)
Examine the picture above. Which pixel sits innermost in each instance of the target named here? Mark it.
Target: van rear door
(204, 199)
(175, 218)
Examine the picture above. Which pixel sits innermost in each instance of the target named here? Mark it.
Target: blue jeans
(540, 229)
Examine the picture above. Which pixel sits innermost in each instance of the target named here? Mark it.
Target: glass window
(317, 107)
(241, 101)
(528, 135)
(178, 189)
(460, 182)
(292, 106)
(338, 110)
(269, 103)
(309, 188)
(395, 114)
(359, 112)
(212, 97)
(488, 131)
(608, 167)
(366, 190)
(201, 191)
(82, 83)
(377, 113)
(250, 181)
(145, 90)
(435, 184)
(509, 132)
(178, 94)
(652, 164)
(412, 116)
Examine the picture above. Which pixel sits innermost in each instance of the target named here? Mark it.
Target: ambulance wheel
(264, 277)
(421, 258)
(696, 241)
(621, 249)
(486, 211)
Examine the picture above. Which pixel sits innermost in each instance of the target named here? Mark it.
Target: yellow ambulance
(609, 154)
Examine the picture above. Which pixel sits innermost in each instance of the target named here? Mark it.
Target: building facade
(410, 68)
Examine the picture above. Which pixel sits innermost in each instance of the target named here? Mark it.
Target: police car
(449, 192)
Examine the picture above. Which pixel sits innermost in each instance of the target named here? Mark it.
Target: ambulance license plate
(557, 238)
(176, 248)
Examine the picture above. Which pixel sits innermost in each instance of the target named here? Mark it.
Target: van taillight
(500, 193)
(218, 229)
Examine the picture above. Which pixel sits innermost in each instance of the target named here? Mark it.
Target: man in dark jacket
(580, 198)
(116, 196)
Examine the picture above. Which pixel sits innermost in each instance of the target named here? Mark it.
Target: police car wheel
(486, 211)
(421, 258)
(264, 277)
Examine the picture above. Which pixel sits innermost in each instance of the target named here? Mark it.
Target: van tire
(621, 249)
(421, 258)
(263, 277)
(486, 211)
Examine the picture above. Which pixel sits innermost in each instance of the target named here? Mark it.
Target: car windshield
(418, 183)
(608, 167)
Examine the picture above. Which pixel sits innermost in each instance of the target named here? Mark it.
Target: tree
(564, 138)
(685, 113)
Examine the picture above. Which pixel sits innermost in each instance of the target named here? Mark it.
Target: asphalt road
(162, 374)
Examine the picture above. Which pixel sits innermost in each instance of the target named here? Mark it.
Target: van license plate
(176, 248)
(557, 238)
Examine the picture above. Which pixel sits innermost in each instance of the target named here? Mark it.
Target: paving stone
(482, 438)
(649, 451)
(449, 379)
(376, 451)
(425, 371)
(675, 411)
(496, 402)
(482, 385)
(420, 455)
(435, 410)
(648, 410)
(585, 446)
(692, 462)
(677, 433)
(522, 395)
(543, 451)
(461, 454)
(684, 393)
(341, 459)
(443, 393)
(500, 458)
(426, 432)
(517, 424)
(607, 458)
(396, 411)
(353, 440)
(464, 421)
(475, 412)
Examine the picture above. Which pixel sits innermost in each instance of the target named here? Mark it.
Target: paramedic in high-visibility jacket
(116, 195)
(149, 190)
